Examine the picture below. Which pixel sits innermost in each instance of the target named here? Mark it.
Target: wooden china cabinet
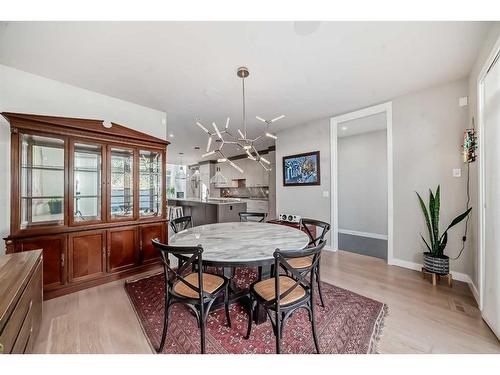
(91, 196)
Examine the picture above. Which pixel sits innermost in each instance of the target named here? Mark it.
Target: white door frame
(480, 140)
(334, 122)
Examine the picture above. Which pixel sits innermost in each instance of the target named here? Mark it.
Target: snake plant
(437, 242)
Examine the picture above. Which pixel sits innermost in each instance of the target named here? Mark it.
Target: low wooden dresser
(21, 294)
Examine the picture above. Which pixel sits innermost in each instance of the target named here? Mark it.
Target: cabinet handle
(62, 260)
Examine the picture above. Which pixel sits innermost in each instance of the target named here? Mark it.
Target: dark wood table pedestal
(242, 295)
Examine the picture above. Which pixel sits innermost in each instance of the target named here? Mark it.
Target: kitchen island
(211, 210)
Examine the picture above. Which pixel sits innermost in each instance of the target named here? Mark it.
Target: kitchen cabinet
(257, 205)
(254, 174)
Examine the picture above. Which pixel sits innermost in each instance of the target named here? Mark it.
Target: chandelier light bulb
(277, 118)
(271, 136)
(265, 160)
(208, 154)
(202, 127)
(241, 134)
(250, 156)
(260, 118)
(209, 143)
(227, 123)
(217, 130)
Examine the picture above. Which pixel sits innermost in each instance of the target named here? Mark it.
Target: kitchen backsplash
(245, 192)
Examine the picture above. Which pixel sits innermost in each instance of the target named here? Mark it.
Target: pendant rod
(244, 109)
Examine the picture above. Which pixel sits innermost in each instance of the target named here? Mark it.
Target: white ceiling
(305, 70)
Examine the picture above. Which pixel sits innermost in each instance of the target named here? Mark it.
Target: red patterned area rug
(348, 324)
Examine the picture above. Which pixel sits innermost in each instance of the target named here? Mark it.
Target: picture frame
(302, 169)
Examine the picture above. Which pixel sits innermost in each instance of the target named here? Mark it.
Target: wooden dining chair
(197, 290)
(258, 217)
(285, 294)
(302, 264)
(181, 223)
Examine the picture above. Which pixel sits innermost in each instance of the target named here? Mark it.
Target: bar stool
(176, 212)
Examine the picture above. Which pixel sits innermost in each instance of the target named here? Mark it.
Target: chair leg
(165, 327)
(318, 278)
(282, 327)
(278, 333)
(202, 333)
(313, 324)
(226, 305)
(250, 319)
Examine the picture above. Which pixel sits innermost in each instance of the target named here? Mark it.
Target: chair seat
(210, 284)
(302, 262)
(266, 290)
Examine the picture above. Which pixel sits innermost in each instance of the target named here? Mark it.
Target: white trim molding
(456, 275)
(334, 122)
(480, 176)
(378, 236)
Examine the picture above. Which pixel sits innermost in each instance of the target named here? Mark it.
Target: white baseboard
(456, 275)
(363, 234)
(475, 293)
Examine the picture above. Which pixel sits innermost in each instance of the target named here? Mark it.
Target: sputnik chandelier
(242, 141)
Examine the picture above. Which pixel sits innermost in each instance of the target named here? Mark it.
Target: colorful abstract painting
(301, 169)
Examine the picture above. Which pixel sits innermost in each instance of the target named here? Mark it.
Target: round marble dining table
(240, 243)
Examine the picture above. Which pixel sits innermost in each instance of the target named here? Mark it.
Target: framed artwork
(301, 169)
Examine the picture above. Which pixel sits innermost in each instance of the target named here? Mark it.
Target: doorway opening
(361, 144)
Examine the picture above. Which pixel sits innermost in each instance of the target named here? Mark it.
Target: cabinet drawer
(23, 321)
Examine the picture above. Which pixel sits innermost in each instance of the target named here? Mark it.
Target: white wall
(427, 134)
(306, 201)
(27, 93)
(362, 176)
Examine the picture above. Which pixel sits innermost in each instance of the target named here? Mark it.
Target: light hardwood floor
(421, 319)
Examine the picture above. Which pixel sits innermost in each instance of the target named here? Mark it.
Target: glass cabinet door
(122, 183)
(42, 180)
(150, 181)
(87, 176)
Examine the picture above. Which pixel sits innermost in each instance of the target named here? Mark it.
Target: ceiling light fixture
(181, 175)
(218, 178)
(243, 141)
